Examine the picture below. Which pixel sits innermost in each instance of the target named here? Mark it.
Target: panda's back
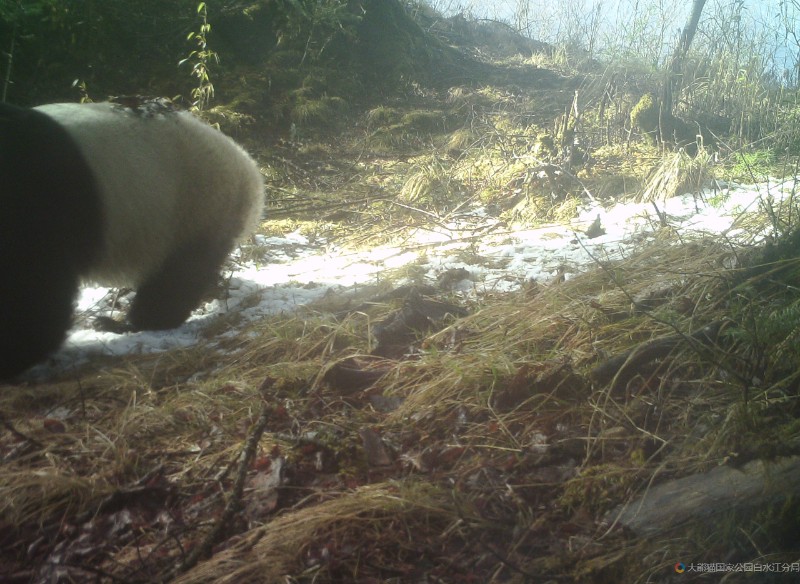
(165, 179)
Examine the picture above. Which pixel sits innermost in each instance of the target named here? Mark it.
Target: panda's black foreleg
(35, 313)
(169, 295)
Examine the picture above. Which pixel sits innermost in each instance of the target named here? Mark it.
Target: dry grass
(375, 524)
(496, 436)
(677, 174)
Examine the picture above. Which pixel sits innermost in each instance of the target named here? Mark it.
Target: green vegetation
(644, 116)
(201, 57)
(754, 165)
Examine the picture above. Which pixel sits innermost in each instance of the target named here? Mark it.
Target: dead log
(697, 497)
(619, 370)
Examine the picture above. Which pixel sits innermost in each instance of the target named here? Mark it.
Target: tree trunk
(673, 82)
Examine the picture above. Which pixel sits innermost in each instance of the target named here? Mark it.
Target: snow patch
(296, 271)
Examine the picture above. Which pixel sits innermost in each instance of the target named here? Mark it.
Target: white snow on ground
(295, 271)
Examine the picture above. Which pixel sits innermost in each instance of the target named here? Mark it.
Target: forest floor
(448, 355)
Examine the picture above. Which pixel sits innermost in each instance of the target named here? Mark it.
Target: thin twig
(232, 505)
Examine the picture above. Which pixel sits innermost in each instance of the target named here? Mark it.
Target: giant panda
(138, 195)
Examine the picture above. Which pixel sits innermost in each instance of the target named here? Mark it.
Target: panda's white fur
(165, 179)
(141, 196)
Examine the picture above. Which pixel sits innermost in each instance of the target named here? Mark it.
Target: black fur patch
(51, 223)
(167, 297)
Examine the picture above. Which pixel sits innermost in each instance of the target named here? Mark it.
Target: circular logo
(680, 568)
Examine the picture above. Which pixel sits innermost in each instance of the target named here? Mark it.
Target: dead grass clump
(678, 173)
(424, 121)
(618, 171)
(459, 141)
(573, 324)
(513, 384)
(430, 186)
(383, 116)
(321, 111)
(387, 139)
(351, 536)
(31, 498)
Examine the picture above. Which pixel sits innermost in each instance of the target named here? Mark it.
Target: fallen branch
(619, 370)
(699, 497)
(234, 499)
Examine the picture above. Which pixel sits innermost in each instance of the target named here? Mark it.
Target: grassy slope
(494, 455)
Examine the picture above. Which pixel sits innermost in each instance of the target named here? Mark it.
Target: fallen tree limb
(619, 370)
(697, 497)
(234, 499)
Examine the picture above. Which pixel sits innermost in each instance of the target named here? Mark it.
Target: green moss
(544, 146)
(644, 116)
(460, 140)
(424, 121)
(317, 112)
(754, 165)
(383, 116)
